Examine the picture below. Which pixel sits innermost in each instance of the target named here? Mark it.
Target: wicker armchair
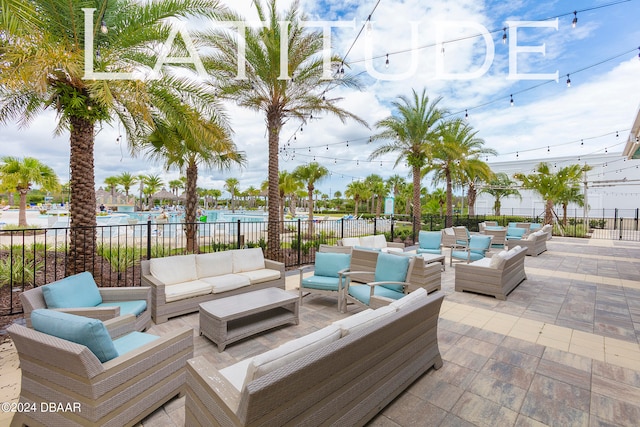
(121, 391)
(115, 301)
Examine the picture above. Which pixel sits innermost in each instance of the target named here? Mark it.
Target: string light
(466, 115)
(511, 102)
(575, 19)
(386, 63)
(517, 154)
(568, 81)
(548, 149)
(617, 135)
(103, 27)
(504, 36)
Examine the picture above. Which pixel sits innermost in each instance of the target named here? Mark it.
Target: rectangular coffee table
(233, 318)
(431, 258)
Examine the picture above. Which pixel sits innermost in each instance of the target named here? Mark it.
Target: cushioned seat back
(329, 263)
(174, 269)
(214, 264)
(78, 329)
(430, 239)
(392, 268)
(479, 244)
(515, 232)
(79, 290)
(247, 260)
(350, 241)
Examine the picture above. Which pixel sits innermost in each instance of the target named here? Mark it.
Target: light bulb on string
(103, 27)
(511, 101)
(466, 115)
(568, 81)
(327, 147)
(605, 150)
(548, 149)
(347, 144)
(386, 63)
(504, 36)
(617, 135)
(517, 155)
(575, 19)
(582, 143)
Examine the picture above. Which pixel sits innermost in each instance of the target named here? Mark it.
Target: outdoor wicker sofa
(146, 372)
(343, 374)
(497, 276)
(377, 241)
(180, 283)
(535, 243)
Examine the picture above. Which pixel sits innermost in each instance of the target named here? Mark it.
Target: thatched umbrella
(162, 195)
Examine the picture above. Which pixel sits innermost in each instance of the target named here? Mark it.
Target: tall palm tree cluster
(179, 121)
(449, 149)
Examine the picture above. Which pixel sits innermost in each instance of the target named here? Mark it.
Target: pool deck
(562, 350)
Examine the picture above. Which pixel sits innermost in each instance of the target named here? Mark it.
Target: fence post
(375, 226)
(299, 238)
(238, 236)
(620, 227)
(637, 212)
(149, 238)
(615, 219)
(392, 227)
(342, 227)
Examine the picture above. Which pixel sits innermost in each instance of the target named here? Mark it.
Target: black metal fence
(34, 257)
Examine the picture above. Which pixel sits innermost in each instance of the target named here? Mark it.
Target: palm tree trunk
(356, 202)
(82, 210)
(274, 125)
(497, 205)
(310, 219)
(564, 214)
(191, 207)
(449, 218)
(22, 213)
(471, 199)
(417, 208)
(548, 212)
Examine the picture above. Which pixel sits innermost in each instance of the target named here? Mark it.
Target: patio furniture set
(93, 354)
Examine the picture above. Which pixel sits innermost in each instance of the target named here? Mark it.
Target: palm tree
(309, 175)
(20, 175)
(175, 185)
(231, 185)
(411, 132)
(127, 181)
(500, 186)
(379, 191)
(440, 195)
(152, 183)
(552, 187)
(357, 190)
(112, 183)
(43, 67)
(288, 185)
(457, 145)
(475, 171)
(188, 144)
(280, 99)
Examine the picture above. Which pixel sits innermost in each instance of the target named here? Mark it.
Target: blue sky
(602, 100)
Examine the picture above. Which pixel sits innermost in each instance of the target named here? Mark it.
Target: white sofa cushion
(369, 242)
(389, 249)
(379, 241)
(289, 352)
(414, 296)
(482, 262)
(214, 264)
(247, 260)
(512, 252)
(226, 282)
(262, 275)
(498, 259)
(236, 372)
(184, 290)
(174, 269)
(363, 319)
(350, 241)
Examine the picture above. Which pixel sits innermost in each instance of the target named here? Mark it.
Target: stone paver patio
(563, 350)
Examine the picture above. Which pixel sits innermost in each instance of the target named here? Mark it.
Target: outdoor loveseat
(180, 283)
(343, 374)
(496, 276)
(377, 241)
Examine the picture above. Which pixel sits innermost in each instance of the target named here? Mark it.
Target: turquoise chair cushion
(493, 227)
(430, 240)
(79, 290)
(535, 226)
(429, 251)
(78, 329)
(362, 292)
(135, 307)
(391, 268)
(479, 244)
(328, 263)
(473, 256)
(321, 283)
(515, 233)
(132, 341)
